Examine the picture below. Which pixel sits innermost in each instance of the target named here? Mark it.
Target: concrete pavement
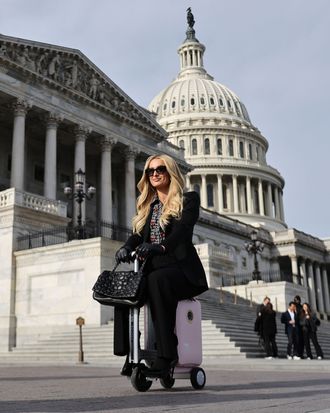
(232, 386)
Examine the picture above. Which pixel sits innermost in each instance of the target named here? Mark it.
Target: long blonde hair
(174, 200)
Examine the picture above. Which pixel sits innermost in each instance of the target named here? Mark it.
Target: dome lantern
(191, 52)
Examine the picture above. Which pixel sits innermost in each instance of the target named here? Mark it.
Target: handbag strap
(140, 269)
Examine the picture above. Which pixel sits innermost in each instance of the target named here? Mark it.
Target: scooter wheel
(197, 378)
(139, 380)
(167, 382)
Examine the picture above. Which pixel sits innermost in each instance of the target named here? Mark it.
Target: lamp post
(255, 247)
(80, 195)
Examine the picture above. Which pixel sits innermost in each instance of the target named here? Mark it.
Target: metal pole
(81, 353)
(250, 298)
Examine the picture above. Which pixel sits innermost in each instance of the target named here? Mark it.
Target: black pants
(292, 342)
(165, 288)
(311, 335)
(300, 341)
(270, 345)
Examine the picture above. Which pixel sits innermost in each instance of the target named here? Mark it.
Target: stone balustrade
(12, 197)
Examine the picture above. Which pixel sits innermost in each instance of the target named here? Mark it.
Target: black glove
(145, 250)
(123, 254)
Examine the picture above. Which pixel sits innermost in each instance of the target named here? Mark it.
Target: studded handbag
(120, 288)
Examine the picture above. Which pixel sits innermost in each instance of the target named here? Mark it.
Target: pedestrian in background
(269, 330)
(309, 323)
(300, 338)
(290, 319)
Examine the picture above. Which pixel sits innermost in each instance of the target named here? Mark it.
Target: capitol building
(60, 115)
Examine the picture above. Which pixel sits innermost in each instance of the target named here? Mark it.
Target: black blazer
(286, 318)
(178, 242)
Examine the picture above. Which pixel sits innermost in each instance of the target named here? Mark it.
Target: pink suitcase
(188, 330)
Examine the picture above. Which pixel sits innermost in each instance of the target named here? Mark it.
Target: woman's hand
(146, 249)
(123, 254)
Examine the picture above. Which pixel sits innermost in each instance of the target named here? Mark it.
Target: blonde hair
(174, 200)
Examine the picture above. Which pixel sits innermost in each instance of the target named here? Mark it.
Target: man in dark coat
(290, 319)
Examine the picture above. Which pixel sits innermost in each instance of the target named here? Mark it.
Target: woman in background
(269, 330)
(309, 323)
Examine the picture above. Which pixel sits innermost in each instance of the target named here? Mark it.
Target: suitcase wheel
(139, 380)
(167, 382)
(197, 378)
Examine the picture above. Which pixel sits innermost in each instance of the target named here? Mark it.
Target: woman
(309, 322)
(269, 330)
(162, 235)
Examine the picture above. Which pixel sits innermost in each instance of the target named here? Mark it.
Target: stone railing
(214, 251)
(12, 196)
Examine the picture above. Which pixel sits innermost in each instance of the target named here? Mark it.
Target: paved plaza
(232, 386)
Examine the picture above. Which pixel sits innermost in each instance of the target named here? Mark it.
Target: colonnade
(314, 276)
(81, 133)
(244, 194)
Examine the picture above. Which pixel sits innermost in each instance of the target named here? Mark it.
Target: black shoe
(127, 368)
(161, 367)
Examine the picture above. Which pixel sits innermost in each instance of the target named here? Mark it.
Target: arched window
(257, 152)
(165, 106)
(241, 149)
(173, 104)
(194, 147)
(211, 101)
(207, 146)
(182, 102)
(220, 102)
(210, 199)
(197, 189)
(219, 146)
(192, 101)
(181, 143)
(231, 147)
(202, 101)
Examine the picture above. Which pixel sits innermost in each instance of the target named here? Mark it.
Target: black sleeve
(185, 225)
(133, 241)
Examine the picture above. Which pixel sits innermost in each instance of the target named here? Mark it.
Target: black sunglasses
(160, 170)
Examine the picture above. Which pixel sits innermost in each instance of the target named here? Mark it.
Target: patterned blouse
(157, 235)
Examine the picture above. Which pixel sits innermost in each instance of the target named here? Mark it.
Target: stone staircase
(227, 332)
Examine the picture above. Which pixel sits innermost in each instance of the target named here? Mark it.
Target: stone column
(277, 204)
(326, 291)
(269, 200)
(18, 146)
(319, 288)
(249, 194)
(220, 193)
(261, 198)
(311, 286)
(303, 274)
(281, 206)
(130, 194)
(294, 267)
(107, 144)
(204, 192)
(235, 194)
(188, 184)
(50, 176)
(81, 134)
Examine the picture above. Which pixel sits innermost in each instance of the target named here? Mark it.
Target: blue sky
(273, 55)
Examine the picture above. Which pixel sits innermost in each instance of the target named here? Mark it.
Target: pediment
(70, 71)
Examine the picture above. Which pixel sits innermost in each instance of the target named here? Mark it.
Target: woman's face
(305, 308)
(158, 175)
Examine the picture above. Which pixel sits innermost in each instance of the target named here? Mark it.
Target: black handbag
(120, 288)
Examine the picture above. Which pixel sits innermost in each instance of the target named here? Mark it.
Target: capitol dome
(211, 125)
